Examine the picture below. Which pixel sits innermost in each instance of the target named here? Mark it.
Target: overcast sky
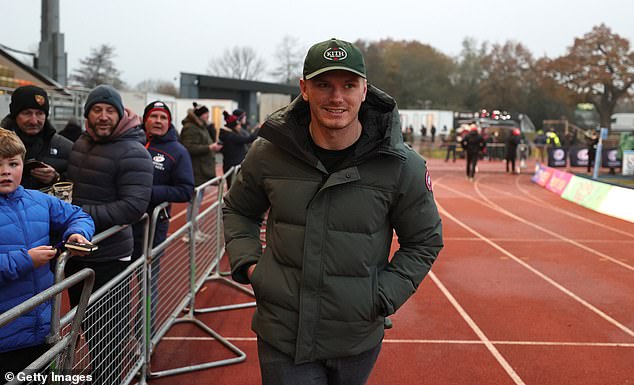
(161, 38)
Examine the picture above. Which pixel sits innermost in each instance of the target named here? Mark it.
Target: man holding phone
(47, 152)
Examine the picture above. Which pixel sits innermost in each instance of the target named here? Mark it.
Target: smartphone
(84, 247)
(31, 164)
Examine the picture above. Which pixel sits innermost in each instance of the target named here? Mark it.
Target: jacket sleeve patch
(428, 180)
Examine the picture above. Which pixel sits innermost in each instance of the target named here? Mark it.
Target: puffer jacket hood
(129, 121)
(46, 146)
(191, 118)
(288, 128)
(47, 131)
(170, 136)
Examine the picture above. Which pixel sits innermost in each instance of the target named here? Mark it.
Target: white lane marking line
(179, 214)
(544, 204)
(610, 241)
(206, 200)
(541, 275)
(495, 207)
(549, 206)
(441, 342)
(208, 339)
(487, 343)
(580, 344)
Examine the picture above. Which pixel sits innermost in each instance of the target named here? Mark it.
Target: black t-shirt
(332, 159)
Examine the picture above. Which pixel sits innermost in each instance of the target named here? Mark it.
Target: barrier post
(64, 345)
(113, 348)
(189, 317)
(598, 155)
(216, 274)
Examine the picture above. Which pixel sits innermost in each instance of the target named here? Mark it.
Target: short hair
(10, 144)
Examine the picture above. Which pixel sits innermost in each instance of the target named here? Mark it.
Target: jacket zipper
(27, 242)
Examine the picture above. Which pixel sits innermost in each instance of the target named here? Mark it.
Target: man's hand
(79, 239)
(41, 255)
(46, 175)
(215, 147)
(250, 270)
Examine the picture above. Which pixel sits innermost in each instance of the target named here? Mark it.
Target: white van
(623, 121)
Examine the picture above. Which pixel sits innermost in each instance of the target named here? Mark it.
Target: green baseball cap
(332, 55)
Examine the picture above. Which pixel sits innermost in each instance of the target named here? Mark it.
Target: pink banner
(542, 175)
(558, 181)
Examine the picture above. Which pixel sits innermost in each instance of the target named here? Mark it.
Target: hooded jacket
(196, 139)
(47, 146)
(173, 180)
(234, 146)
(26, 219)
(112, 182)
(324, 282)
(511, 146)
(473, 143)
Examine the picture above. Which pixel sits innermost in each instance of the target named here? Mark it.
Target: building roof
(27, 73)
(205, 82)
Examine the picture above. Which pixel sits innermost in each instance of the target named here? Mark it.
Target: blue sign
(604, 133)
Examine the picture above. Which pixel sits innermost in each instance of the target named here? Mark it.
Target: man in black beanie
(47, 152)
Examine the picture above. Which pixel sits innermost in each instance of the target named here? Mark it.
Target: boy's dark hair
(10, 144)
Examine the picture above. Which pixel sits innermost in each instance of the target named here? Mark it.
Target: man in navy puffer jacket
(173, 180)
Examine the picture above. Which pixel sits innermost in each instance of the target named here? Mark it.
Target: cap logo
(335, 54)
(39, 99)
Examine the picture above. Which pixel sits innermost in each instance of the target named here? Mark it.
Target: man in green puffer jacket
(337, 180)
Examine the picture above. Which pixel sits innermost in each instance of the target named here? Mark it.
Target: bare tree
(160, 86)
(98, 68)
(238, 63)
(290, 58)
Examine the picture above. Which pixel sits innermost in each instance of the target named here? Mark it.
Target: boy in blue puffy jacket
(26, 219)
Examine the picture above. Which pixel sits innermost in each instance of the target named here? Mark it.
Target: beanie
(199, 110)
(157, 106)
(104, 94)
(239, 113)
(28, 97)
(231, 120)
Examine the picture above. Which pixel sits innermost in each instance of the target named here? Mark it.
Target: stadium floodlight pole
(597, 157)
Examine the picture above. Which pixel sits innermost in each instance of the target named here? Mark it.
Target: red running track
(529, 289)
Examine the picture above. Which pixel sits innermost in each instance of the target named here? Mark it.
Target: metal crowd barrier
(112, 345)
(199, 243)
(124, 320)
(168, 279)
(215, 274)
(496, 150)
(48, 363)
